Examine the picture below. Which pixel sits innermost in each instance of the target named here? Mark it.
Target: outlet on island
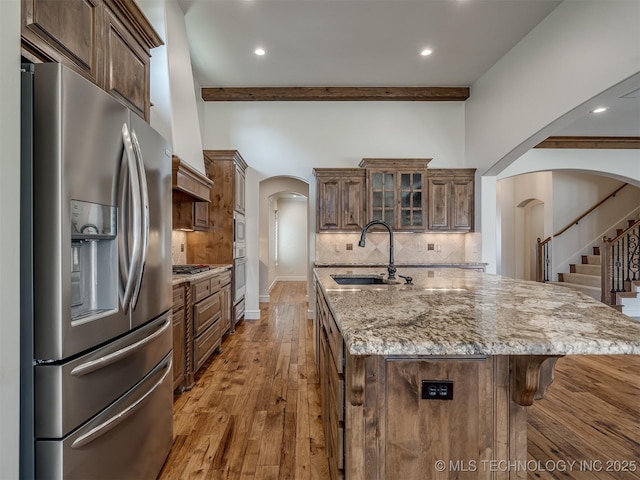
(437, 390)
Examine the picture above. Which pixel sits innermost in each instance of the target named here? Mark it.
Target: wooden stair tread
(627, 295)
(580, 279)
(586, 269)
(591, 259)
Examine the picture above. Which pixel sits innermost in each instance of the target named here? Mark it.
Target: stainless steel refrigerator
(96, 337)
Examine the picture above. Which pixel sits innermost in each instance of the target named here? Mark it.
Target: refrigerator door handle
(102, 362)
(144, 194)
(135, 212)
(115, 420)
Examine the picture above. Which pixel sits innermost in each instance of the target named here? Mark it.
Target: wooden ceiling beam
(300, 94)
(610, 143)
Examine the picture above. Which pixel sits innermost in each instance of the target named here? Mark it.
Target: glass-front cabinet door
(383, 197)
(396, 190)
(411, 204)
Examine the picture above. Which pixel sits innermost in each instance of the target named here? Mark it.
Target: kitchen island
(432, 379)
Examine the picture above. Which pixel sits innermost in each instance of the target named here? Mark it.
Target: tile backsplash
(178, 247)
(408, 248)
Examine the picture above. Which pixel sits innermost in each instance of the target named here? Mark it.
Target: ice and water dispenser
(94, 260)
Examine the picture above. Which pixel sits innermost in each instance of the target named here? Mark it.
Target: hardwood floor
(590, 415)
(254, 412)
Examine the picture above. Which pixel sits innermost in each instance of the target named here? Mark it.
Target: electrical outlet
(438, 248)
(336, 248)
(349, 246)
(437, 390)
(430, 246)
(420, 247)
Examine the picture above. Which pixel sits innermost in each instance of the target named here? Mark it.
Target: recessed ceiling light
(599, 110)
(426, 52)
(259, 51)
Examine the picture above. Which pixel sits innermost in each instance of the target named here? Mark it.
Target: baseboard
(292, 278)
(264, 298)
(252, 314)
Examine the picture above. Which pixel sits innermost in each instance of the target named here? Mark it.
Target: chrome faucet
(391, 268)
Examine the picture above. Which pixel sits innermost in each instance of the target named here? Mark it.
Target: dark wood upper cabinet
(64, 31)
(107, 41)
(127, 66)
(400, 192)
(341, 197)
(451, 199)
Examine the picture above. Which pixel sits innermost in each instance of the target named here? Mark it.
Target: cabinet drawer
(206, 312)
(336, 344)
(178, 297)
(336, 393)
(220, 280)
(225, 278)
(336, 447)
(205, 345)
(201, 290)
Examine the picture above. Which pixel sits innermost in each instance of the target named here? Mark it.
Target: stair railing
(543, 259)
(543, 247)
(620, 263)
(577, 220)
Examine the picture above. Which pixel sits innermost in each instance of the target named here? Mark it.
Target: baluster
(617, 267)
(546, 262)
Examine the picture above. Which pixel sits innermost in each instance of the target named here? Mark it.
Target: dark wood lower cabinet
(199, 323)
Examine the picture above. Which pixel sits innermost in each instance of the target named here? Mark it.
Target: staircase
(629, 302)
(585, 277)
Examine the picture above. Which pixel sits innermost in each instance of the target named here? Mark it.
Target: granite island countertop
(454, 311)
(404, 265)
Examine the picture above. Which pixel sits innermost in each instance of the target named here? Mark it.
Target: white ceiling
(370, 43)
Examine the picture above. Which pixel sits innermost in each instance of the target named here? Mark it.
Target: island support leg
(529, 377)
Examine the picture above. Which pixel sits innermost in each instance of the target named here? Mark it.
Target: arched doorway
(530, 215)
(283, 232)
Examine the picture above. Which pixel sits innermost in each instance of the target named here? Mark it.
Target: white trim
(292, 278)
(264, 298)
(252, 314)
(273, 284)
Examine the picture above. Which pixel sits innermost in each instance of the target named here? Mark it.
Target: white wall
(9, 236)
(566, 60)
(291, 138)
(161, 115)
(620, 164)
(512, 192)
(573, 194)
(292, 239)
(566, 195)
(173, 91)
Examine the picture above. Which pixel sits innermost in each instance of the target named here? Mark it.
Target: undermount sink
(361, 280)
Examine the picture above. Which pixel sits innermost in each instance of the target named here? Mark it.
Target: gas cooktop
(190, 269)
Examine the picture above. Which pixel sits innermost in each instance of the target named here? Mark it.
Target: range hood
(189, 185)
